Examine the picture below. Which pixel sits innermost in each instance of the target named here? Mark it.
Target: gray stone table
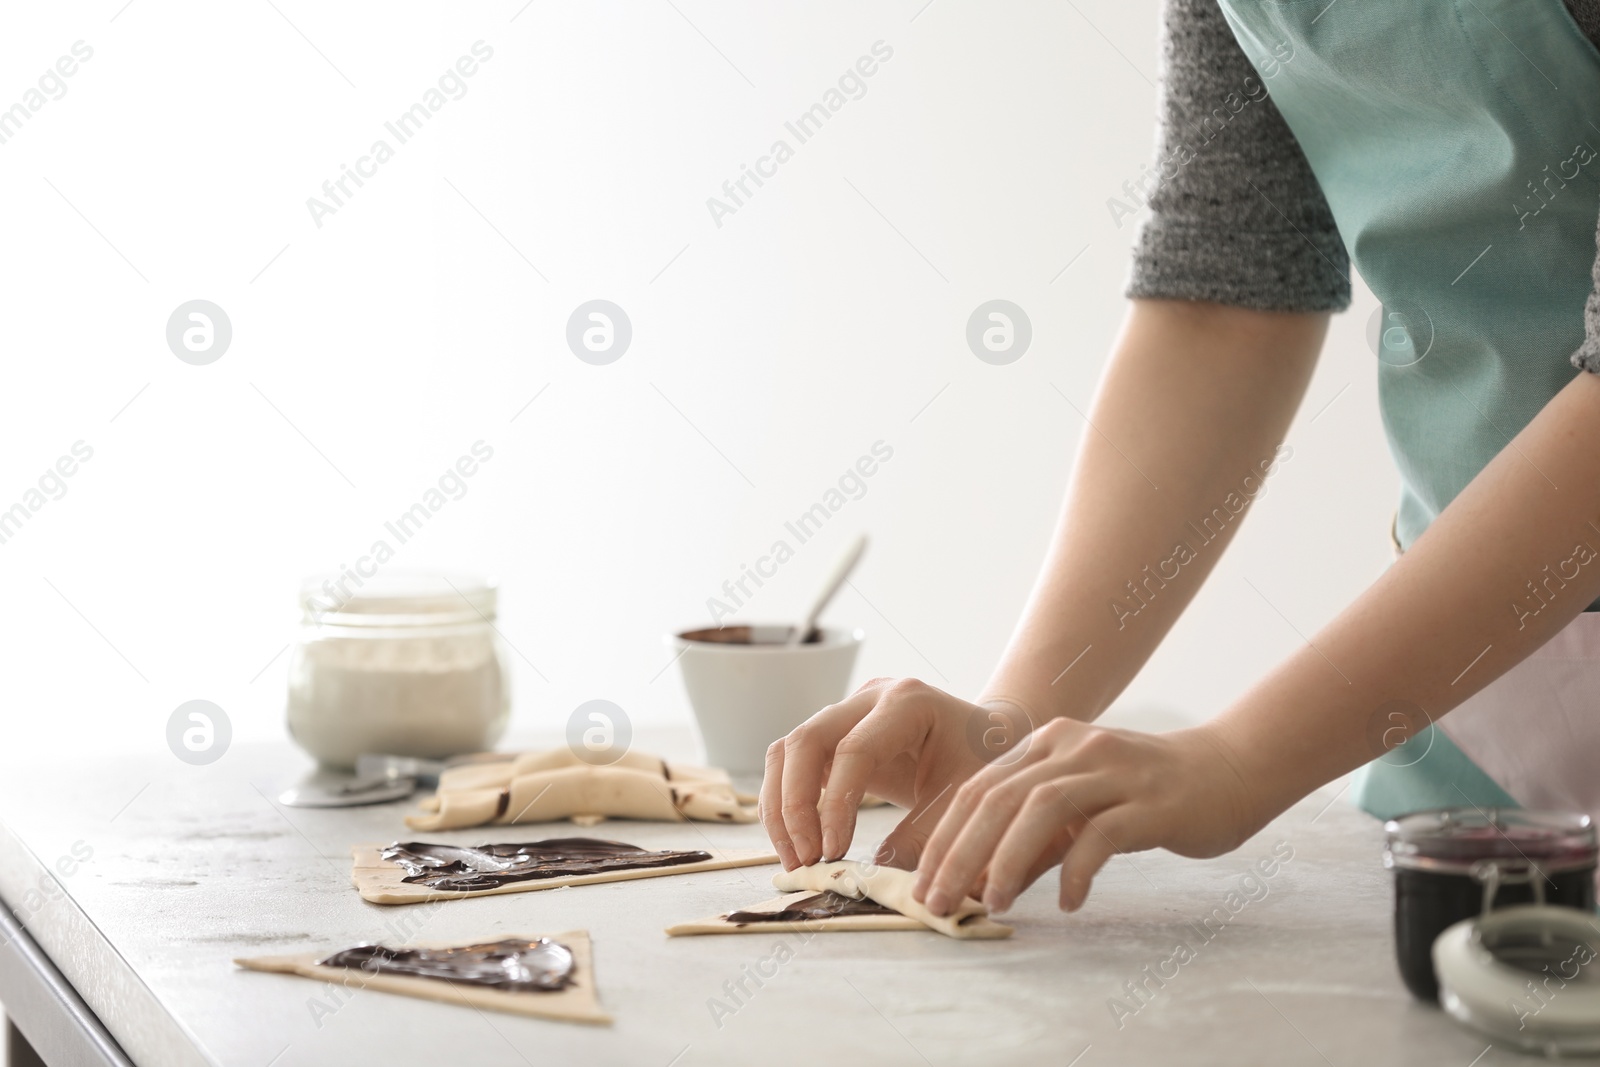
(188, 867)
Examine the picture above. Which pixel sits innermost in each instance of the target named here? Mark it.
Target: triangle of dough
(578, 1002)
(381, 882)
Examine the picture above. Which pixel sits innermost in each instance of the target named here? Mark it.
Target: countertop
(190, 867)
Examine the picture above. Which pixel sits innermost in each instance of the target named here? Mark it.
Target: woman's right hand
(899, 739)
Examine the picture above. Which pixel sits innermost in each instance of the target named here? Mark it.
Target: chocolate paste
(470, 869)
(541, 966)
(742, 635)
(824, 905)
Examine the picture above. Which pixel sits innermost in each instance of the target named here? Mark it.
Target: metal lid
(1460, 840)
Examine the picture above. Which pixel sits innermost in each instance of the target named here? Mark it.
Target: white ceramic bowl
(748, 689)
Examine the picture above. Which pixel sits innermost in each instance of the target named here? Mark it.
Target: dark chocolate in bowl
(741, 635)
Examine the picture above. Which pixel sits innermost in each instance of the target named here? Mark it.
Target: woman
(1446, 146)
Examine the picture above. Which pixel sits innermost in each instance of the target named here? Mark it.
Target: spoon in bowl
(799, 635)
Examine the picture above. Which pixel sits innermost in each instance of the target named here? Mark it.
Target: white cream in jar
(407, 664)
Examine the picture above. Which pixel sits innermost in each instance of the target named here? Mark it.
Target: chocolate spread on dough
(823, 905)
(541, 966)
(470, 869)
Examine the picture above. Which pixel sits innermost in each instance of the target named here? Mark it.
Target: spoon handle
(841, 571)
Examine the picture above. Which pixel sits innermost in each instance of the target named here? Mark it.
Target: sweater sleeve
(1587, 357)
(1587, 15)
(1231, 212)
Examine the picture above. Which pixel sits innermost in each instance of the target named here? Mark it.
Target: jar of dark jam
(1457, 863)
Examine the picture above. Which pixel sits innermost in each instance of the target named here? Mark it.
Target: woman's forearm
(1454, 613)
(1182, 436)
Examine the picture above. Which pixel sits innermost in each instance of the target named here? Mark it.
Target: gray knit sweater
(1243, 221)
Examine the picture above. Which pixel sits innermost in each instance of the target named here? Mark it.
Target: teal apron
(1455, 141)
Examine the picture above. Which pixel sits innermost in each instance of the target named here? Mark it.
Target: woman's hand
(1075, 794)
(898, 739)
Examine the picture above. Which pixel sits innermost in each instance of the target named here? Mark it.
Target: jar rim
(1455, 840)
(398, 598)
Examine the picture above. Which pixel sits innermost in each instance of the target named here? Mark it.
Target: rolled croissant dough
(382, 882)
(719, 924)
(889, 886)
(578, 1002)
(545, 786)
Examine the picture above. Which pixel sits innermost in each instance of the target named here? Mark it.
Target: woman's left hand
(1076, 794)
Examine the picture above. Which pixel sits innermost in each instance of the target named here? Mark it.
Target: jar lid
(398, 598)
(1454, 840)
(1523, 976)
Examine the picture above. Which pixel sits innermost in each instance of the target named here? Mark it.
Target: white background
(768, 354)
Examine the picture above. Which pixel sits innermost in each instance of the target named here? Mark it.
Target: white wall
(819, 318)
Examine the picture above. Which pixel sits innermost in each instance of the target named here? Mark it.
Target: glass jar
(401, 664)
(1458, 863)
